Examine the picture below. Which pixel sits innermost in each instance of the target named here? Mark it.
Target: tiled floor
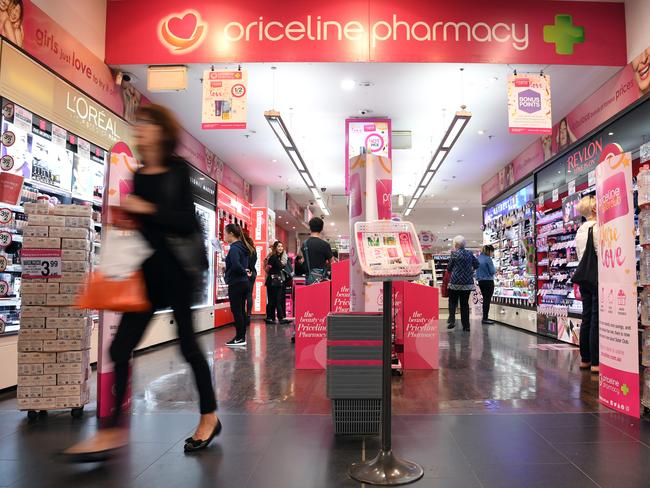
(499, 413)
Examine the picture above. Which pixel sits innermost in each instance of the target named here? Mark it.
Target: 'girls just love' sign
(619, 350)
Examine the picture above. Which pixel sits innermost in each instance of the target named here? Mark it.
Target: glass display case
(509, 227)
(206, 218)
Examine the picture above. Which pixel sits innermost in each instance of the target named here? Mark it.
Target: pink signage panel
(420, 326)
(341, 287)
(312, 308)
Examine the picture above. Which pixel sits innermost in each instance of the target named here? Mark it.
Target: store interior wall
(84, 20)
(637, 14)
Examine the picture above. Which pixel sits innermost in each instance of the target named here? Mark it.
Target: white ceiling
(417, 97)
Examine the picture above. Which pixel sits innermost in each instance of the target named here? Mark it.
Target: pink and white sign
(529, 104)
(224, 99)
(619, 348)
(341, 287)
(366, 136)
(312, 308)
(420, 326)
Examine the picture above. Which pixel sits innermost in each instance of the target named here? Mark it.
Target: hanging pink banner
(618, 323)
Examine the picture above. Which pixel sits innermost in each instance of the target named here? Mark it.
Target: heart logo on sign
(182, 32)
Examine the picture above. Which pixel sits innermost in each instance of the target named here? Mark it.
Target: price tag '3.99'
(6, 216)
(41, 263)
(5, 239)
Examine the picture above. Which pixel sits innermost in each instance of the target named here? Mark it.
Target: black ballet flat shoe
(193, 445)
(451, 325)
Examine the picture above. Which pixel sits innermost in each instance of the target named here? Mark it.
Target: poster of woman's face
(641, 68)
(12, 13)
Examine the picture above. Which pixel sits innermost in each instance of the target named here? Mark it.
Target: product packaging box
(71, 379)
(30, 369)
(72, 210)
(73, 401)
(34, 312)
(36, 231)
(33, 299)
(73, 255)
(37, 380)
(68, 322)
(75, 244)
(64, 368)
(61, 345)
(32, 208)
(32, 322)
(61, 300)
(37, 334)
(36, 404)
(49, 220)
(41, 243)
(28, 287)
(30, 392)
(82, 222)
(61, 390)
(36, 357)
(68, 233)
(73, 357)
(72, 334)
(30, 346)
(75, 266)
(72, 288)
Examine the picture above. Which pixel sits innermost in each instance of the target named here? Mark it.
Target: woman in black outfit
(252, 276)
(275, 283)
(162, 205)
(237, 276)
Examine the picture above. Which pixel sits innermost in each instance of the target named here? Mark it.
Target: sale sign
(41, 263)
(619, 348)
(529, 104)
(224, 99)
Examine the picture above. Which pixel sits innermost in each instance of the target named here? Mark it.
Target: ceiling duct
(401, 139)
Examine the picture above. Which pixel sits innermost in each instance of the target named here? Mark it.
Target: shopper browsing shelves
(586, 276)
(461, 282)
(485, 276)
(252, 276)
(275, 278)
(237, 278)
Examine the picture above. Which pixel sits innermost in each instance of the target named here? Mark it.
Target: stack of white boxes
(54, 340)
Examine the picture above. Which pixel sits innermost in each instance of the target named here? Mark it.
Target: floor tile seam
(605, 414)
(570, 461)
(469, 464)
(632, 439)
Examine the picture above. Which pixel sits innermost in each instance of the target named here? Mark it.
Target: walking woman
(252, 276)
(587, 250)
(237, 278)
(461, 283)
(485, 276)
(162, 205)
(275, 283)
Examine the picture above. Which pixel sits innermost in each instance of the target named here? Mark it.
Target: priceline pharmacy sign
(509, 31)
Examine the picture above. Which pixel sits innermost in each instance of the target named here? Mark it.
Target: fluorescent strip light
(282, 133)
(457, 126)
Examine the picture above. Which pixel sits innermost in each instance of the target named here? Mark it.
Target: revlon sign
(207, 31)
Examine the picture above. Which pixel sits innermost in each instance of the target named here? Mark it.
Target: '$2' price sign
(41, 263)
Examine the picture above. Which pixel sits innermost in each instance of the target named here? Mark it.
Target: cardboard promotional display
(618, 329)
(312, 309)
(340, 287)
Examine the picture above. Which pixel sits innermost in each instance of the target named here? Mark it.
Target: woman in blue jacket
(237, 278)
(461, 283)
(485, 276)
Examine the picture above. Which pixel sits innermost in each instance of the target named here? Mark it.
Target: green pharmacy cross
(564, 34)
(625, 389)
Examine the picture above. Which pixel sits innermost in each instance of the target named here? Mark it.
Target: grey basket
(357, 417)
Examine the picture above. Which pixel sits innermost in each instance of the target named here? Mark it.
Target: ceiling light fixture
(611, 134)
(455, 209)
(280, 130)
(481, 132)
(400, 200)
(455, 129)
(348, 84)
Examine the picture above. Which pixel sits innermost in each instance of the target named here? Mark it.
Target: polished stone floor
(506, 409)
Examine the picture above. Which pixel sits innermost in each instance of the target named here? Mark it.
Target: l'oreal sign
(93, 116)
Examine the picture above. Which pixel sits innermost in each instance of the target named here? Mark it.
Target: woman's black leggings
(130, 331)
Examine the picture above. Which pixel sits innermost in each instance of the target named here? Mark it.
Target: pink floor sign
(312, 308)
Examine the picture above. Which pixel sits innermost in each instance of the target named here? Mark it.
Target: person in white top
(589, 346)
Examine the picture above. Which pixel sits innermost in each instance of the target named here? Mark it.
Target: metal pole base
(386, 469)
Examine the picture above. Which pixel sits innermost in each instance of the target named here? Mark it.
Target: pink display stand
(341, 287)
(312, 308)
(419, 326)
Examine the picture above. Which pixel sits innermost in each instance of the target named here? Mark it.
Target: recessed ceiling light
(348, 84)
(274, 160)
(455, 209)
(462, 215)
(611, 134)
(481, 132)
(333, 224)
(453, 221)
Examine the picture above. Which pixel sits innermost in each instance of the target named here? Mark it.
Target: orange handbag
(118, 295)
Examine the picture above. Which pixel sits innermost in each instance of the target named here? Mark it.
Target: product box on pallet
(36, 404)
(61, 300)
(37, 380)
(72, 288)
(42, 220)
(64, 368)
(37, 334)
(30, 346)
(41, 243)
(72, 210)
(72, 334)
(29, 287)
(75, 244)
(71, 379)
(72, 312)
(32, 322)
(69, 233)
(73, 357)
(82, 222)
(75, 266)
(30, 392)
(62, 345)
(72, 255)
(69, 278)
(68, 322)
(38, 312)
(73, 401)
(33, 299)
(61, 390)
(36, 208)
(31, 369)
(36, 357)
(37, 231)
